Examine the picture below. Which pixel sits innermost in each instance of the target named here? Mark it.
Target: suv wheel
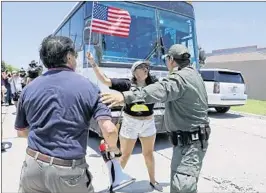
(222, 109)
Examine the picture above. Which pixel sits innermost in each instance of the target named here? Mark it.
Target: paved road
(234, 161)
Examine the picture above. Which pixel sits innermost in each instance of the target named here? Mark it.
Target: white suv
(225, 88)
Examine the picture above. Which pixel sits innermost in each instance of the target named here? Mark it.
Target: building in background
(250, 60)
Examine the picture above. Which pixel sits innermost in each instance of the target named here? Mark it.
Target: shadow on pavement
(140, 187)
(137, 187)
(5, 146)
(228, 115)
(161, 143)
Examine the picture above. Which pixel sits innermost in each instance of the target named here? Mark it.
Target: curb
(249, 115)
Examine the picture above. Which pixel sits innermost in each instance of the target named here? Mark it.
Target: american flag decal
(110, 21)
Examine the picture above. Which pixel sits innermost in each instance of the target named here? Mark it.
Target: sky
(219, 25)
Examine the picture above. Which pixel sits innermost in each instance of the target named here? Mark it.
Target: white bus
(155, 26)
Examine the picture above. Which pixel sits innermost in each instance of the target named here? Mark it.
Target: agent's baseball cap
(178, 51)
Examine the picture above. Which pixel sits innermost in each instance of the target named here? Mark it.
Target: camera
(22, 73)
(34, 70)
(23, 76)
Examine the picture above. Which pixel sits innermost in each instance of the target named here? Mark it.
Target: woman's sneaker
(156, 186)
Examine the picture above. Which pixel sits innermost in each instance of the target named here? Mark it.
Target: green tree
(8, 67)
(3, 66)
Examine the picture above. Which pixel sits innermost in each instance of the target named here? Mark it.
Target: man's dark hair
(54, 50)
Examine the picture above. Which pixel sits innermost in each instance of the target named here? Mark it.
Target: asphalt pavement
(234, 161)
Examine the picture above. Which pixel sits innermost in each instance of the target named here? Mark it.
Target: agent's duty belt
(52, 160)
(183, 138)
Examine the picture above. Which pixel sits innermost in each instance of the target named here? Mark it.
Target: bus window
(142, 35)
(88, 9)
(65, 29)
(59, 33)
(76, 29)
(176, 29)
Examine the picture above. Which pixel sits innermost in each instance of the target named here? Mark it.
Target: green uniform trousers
(186, 166)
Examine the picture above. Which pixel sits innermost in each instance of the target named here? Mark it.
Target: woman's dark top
(136, 110)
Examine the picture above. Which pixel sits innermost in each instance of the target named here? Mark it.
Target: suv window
(230, 77)
(207, 75)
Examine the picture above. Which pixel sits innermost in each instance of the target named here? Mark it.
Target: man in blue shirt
(54, 112)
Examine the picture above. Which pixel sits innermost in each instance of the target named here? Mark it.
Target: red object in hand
(104, 153)
(102, 147)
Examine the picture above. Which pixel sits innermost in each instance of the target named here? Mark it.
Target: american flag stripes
(110, 21)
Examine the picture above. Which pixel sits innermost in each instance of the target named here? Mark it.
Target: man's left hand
(115, 99)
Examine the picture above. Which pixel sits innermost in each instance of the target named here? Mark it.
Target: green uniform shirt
(184, 95)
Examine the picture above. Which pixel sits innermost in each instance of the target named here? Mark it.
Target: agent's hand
(114, 99)
(90, 59)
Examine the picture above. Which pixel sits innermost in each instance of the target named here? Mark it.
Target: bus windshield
(176, 29)
(147, 26)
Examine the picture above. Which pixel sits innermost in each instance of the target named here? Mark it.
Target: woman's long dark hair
(149, 80)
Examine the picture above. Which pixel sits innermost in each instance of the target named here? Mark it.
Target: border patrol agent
(54, 112)
(186, 116)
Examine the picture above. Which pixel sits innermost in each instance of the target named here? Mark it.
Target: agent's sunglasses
(164, 58)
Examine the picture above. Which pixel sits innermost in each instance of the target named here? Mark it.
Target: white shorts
(133, 128)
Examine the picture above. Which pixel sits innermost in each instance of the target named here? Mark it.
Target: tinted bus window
(176, 29)
(76, 28)
(230, 77)
(65, 29)
(140, 41)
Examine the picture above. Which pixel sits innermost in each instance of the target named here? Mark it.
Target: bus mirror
(202, 56)
(86, 37)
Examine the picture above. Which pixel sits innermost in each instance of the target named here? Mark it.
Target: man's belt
(182, 138)
(52, 160)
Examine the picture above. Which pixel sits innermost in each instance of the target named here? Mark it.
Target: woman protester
(138, 120)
